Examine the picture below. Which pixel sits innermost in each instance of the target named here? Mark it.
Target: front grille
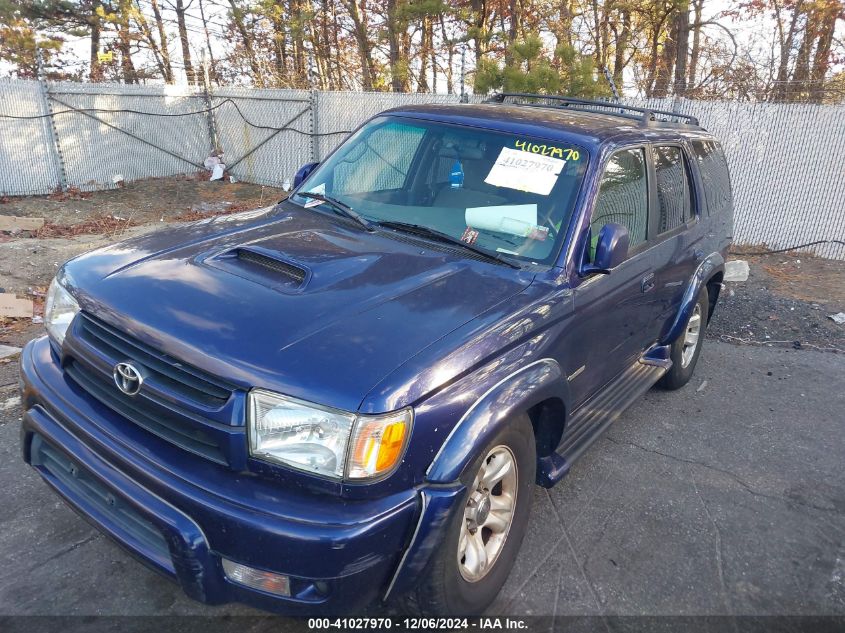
(86, 491)
(161, 422)
(179, 404)
(177, 378)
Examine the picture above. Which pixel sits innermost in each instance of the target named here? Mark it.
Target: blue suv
(347, 397)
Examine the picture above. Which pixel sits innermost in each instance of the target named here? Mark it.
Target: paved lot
(727, 497)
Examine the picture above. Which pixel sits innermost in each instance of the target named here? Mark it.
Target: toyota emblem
(127, 378)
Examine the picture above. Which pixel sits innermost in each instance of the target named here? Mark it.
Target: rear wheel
(687, 348)
(485, 533)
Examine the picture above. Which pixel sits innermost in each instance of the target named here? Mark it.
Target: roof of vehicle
(583, 127)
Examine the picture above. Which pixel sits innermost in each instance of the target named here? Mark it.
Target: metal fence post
(47, 105)
(315, 130)
(206, 93)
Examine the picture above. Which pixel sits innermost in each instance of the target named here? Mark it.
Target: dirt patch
(144, 201)
(786, 301)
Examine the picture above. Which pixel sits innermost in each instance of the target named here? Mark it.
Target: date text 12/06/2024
(420, 624)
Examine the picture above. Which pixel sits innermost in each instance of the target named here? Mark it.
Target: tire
(684, 358)
(444, 588)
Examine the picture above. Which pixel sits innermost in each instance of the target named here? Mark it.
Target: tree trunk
(786, 40)
(94, 21)
(681, 49)
(515, 9)
(365, 46)
(651, 72)
(238, 19)
(124, 42)
(450, 52)
(801, 73)
(433, 53)
(621, 47)
(425, 54)
(696, 44)
(162, 38)
(212, 62)
(183, 39)
(398, 74)
(479, 22)
(821, 60)
(156, 50)
(666, 62)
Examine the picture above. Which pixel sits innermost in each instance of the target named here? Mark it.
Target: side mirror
(302, 173)
(611, 249)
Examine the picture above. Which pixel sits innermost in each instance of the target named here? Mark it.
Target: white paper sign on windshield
(525, 171)
(513, 219)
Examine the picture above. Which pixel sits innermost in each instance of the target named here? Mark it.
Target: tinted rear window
(714, 175)
(673, 190)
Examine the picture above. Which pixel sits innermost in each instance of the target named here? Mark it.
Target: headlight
(59, 310)
(325, 441)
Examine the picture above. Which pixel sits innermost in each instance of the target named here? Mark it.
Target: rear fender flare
(514, 394)
(711, 265)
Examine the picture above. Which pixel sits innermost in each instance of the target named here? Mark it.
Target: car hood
(288, 299)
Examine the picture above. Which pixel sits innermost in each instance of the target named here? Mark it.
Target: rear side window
(714, 175)
(623, 196)
(674, 195)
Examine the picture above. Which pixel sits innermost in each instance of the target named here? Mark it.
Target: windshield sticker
(456, 175)
(470, 236)
(524, 171)
(513, 219)
(538, 233)
(566, 153)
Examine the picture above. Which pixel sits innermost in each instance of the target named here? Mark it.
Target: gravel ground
(787, 301)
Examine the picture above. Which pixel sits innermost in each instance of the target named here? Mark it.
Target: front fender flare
(515, 393)
(711, 265)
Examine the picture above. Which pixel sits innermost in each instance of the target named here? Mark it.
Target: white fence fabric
(787, 161)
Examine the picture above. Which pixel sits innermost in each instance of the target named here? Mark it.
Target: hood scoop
(263, 266)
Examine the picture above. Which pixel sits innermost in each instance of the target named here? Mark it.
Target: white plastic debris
(117, 179)
(210, 162)
(286, 185)
(9, 350)
(217, 172)
(736, 270)
(838, 318)
(232, 179)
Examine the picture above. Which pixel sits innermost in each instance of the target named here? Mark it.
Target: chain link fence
(786, 160)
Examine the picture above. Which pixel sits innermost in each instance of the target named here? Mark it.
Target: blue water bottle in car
(456, 175)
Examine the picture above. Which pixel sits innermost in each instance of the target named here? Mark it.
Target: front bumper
(340, 555)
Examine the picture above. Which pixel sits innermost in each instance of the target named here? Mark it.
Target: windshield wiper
(340, 207)
(433, 234)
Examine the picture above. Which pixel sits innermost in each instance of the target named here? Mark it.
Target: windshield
(503, 193)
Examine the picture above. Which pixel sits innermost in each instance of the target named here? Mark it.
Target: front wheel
(687, 348)
(485, 533)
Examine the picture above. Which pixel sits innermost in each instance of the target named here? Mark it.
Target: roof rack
(646, 116)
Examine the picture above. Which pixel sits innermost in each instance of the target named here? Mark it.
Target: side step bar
(589, 421)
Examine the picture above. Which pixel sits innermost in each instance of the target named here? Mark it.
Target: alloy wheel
(488, 514)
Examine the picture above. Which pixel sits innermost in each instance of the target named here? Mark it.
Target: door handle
(647, 283)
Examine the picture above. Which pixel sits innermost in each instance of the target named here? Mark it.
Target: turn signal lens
(257, 578)
(378, 443)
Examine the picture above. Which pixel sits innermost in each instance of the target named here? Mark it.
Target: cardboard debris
(14, 307)
(736, 270)
(14, 223)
